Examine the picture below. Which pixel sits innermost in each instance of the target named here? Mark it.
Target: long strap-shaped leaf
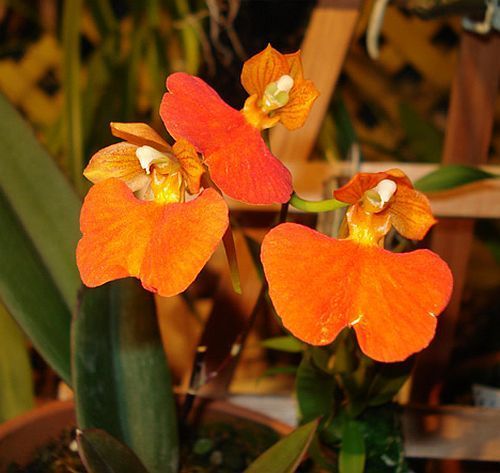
(102, 453)
(42, 199)
(286, 455)
(120, 375)
(30, 295)
(16, 377)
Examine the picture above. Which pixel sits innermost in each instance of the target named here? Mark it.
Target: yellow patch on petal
(140, 134)
(119, 161)
(366, 228)
(192, 168)
(262, 69)
(257, 117)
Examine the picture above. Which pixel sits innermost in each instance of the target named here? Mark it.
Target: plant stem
(316, 206)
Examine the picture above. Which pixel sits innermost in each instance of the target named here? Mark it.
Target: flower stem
(316, 206)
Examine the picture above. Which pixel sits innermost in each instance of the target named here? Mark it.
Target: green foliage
(16, 393)
(102, 453)
(352, 455)
(72, 110)
(381, 427)
(449, 177)
(30, 294)
(285, 343)
(286, 455)
(315, 390)
(42, 200)
(121, 378)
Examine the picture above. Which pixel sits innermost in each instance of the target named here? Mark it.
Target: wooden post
(324, 48)
(468, 135)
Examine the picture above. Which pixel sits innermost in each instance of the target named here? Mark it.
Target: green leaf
(286, 343)
(352, 451)
(42, 199)
(16, 377)
(30, 295)
(121, 378)
(286, 455)
(449, 177)
(425, 141)
(103, 15)
(102, 453)
(387, 381)
(315, 390)
(72, 111)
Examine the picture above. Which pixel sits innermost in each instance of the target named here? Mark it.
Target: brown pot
(22, 436)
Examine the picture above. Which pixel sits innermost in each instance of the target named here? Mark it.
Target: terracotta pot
(22, 436)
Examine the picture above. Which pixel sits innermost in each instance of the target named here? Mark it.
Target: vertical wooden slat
(468, 135)
(323, 51)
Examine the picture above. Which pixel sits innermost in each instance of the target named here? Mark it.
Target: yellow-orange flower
(277, 88)
(320, 285)
(135, 221)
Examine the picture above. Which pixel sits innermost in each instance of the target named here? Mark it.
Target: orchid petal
(119, 161)
(319, 285)
(238, 159)
(139, 134)
(165, 246)
(262, 69)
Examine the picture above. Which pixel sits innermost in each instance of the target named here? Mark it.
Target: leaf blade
(41, 198)
(352, 452)
(16, 395)
(121, 378)
(451, 176)
(30, 294)
(102, 453)
(286, 455)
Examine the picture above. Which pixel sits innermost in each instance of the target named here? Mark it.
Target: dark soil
(215, 447)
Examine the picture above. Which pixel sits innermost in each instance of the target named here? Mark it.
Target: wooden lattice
(23, 81)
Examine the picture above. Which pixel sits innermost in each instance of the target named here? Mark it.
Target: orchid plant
(157, 211)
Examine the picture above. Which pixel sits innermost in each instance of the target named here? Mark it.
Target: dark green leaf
(449, 177)
(102, 453)
(387, 381)
(30, 295)
(121, 378)
(352, 451)
(286, 455)
(286, 343)
(103, 15)
(42, 199)
(425, 141)
(16, 377)
(315, 390)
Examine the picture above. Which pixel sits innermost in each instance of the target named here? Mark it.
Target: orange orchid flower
(277, 88)
(135, 220)
(320, 285)
(239, 161)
